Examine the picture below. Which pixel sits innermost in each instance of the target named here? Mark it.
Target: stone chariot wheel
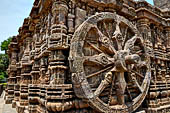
(109, 65)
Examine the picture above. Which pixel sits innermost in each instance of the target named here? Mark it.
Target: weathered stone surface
(162, 3)
(91, 56)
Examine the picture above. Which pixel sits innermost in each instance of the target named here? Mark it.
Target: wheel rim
(107, 56)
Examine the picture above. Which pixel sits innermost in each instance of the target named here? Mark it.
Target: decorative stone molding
(91, 56)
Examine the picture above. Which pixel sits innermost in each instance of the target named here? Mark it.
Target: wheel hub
(120, 64)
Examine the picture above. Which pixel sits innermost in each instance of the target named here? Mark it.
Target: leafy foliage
(4, 61)
(5, 43)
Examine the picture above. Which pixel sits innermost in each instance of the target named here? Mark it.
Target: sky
(12, 14)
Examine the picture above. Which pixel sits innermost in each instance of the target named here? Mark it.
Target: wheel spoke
(142, 64)
(130, 43)
(106, 41)
(136, 82)
(139, 52)
(121, 79)
(138, 74)
(118, 37)
(101, 71)
(125, 35)
(130, 96)
(104, 83)
(106, 29)
(120, 87)
(101, 59)
(94, 47)
(111, 90)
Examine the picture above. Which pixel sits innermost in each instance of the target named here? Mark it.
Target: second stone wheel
(109, 65)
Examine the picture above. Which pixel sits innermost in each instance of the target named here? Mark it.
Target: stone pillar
(168, 62)
(143, 27)
(168, 42)
(58, 42)
(17, 72)
(44, 80)
(56, 94)
(12, 70)
(25, 76)
(34, 87)
(147, 33)
(17, 86)
(168, 54)
(43, 70)
(12, 52)
(70, 21)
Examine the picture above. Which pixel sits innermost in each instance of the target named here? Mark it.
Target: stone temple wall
(91, 56)
(162, 3)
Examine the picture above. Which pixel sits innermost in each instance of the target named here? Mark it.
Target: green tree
(4, 61)
(5, 43)
(3, 75)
